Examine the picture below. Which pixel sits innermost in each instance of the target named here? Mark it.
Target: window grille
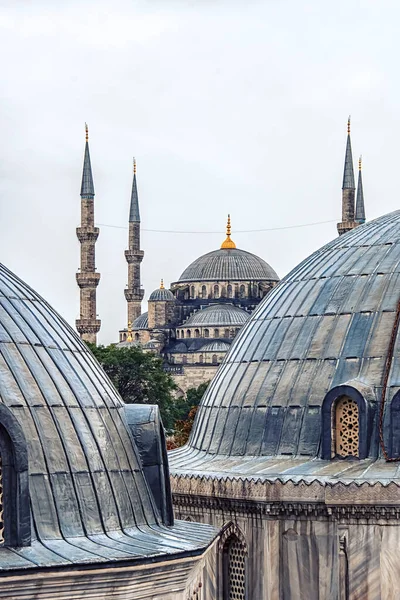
(236, 572)
(347, 427)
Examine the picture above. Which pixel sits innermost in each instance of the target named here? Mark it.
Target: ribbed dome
(162, 294)
(215, 346)
(141, 322)
(229, 265)
(85, 478)
(217, 314)
(327, 324)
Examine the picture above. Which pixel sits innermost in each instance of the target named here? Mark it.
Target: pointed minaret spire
(348, 189)
(134, 214)
(87, 187)
(134, 256)
(88, 325)
(360, 208)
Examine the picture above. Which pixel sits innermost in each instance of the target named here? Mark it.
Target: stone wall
(193, 376)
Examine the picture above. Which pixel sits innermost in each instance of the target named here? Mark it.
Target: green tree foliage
(140, 378)
(186, 412)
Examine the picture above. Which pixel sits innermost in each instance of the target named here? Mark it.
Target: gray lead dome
(325, 327)
(229, 265)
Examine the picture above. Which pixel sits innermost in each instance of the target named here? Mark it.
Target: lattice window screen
(1, 506)
(347, 428)
(236, 571)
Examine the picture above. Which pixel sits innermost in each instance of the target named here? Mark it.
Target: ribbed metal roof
(162, 294)
(215, 346)
(229, 265)
(328, 323)
(217, 315)
(141, 322)
(89, 499)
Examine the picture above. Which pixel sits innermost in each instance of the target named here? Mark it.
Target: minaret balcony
(87, 280)
(133, 256)
(88, 325)
(134, 294)
(87, 234)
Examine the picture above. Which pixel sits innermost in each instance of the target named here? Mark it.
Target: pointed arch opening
(233, 550)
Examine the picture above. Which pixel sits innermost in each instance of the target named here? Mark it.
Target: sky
(230, 106)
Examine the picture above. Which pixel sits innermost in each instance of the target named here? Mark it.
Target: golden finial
(134, 166)
(162, 284)
(360, 163)
(87, 132)
(348, 125)
(228, 243)
(129, 336)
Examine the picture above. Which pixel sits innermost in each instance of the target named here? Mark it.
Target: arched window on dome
(233, 549)
(137, 337)
(124, 337)
(216, 291)
(216, 333)
(201, 358)
(214, 359)
(206, 333)
(182, 334)
(14, 487)
(188, 333)
(226, 333)
(346, 421)
(203, 291)
(197, 333)
(229, 291)
(192, 293)
(242, 291)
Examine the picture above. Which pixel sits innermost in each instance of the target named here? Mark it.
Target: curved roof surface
(328, 323)
(162, 294)
(215, 346)
(88, 495)
(229, 265)
(141, 322)
(217, 314)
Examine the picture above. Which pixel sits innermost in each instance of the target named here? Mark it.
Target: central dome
(229, 264)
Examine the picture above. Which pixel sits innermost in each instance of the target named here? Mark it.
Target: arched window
(216, 333)
(223, 292)
(234, 557)
(192, 291)
(242, 291)
(14, 487)
(230, 291)
(346, 427)
(206, 333)
(201, 358)
(197, 333)
(137, 337)
(226, 333)
(182, 334)
(188, 333)
(214, 359)
(203, 291)
(124, 337)
(184, 359)
(216, 291)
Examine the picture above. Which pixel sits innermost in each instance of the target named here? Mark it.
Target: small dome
(217, 315)
(141, 322)
(229, 264)
(162, 295)
(215, 346)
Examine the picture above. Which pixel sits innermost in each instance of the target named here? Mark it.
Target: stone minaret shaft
(134, 256)
(87, 278)
(348, 190)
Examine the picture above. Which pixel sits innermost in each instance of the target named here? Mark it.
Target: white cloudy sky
(229, 106)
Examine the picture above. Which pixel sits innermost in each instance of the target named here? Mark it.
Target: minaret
(360, 208)
(134, 256)
(87, 278)
(348, 190)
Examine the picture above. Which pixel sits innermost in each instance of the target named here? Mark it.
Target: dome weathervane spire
(162, 284)
(228, 243)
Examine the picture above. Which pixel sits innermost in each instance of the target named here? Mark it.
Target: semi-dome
(69, 463)
(328, 330)
(215, 346)
(141, 322)
(217, 314)
(228, 264)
